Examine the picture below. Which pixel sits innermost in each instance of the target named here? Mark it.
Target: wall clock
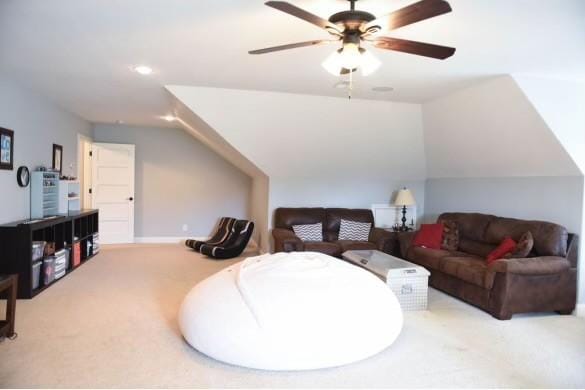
(23, 176)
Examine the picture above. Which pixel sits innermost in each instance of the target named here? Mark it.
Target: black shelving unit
(16, 240)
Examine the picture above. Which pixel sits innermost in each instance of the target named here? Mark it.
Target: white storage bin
(407, 280)
(410, 285)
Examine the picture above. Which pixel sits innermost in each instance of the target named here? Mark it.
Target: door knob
(130, 199)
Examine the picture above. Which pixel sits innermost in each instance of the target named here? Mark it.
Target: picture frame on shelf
(57, 158)
(6, 149)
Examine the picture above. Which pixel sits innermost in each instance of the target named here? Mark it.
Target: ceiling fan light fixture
(332, 63)
(355, 57)
(369, 64)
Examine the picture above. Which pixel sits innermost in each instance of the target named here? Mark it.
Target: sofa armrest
(286, 240)
(385, 241)
(405, 240)
(545, 265)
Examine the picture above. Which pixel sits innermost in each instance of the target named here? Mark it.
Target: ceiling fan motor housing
(351, 20)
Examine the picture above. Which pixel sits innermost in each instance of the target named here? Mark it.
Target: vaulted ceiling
(78, 53)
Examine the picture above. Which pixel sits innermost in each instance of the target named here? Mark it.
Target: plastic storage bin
(49, 270)
(61, 263)
(36, 274)
(38, 248)
(96, 243)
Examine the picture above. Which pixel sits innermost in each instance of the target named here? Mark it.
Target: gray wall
(37, 124)
(554, 199)
(179, 181)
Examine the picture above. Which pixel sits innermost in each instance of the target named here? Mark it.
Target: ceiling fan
(354, 27)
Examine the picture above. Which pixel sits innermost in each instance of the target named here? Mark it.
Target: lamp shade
(404, 198)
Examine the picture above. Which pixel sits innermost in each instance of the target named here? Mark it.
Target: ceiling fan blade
(413, 47)
(302, 14)
(413, 13)
(289, 46)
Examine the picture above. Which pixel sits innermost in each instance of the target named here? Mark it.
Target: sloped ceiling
(561, 104)
(288, 135)
(491, 130)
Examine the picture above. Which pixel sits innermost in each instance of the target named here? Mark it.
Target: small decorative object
(6, 149)
(57, 157)
(404, 199)
(23, 176)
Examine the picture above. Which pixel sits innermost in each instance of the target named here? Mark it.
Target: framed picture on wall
(57, 157)
(6, 149)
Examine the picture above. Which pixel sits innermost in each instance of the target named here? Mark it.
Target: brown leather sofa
(285, 239)
(545, 281)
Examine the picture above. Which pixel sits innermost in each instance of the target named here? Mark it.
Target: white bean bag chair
(291, 311)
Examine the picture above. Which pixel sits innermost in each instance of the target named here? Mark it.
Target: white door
(113, 191)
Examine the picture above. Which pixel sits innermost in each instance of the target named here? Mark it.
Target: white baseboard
(580, 310)
(165, 240)
(175, 240)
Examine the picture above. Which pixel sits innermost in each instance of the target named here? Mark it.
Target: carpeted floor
(112, 323)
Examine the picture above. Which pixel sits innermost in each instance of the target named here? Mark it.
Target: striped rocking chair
(234, 245)
(221, 234)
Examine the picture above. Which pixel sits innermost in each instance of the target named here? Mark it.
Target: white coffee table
(408, 281)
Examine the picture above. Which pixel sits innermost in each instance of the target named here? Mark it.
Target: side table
(8, 287)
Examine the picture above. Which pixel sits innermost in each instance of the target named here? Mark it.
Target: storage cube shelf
(18, 241)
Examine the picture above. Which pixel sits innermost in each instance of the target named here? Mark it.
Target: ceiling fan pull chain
(349, 90)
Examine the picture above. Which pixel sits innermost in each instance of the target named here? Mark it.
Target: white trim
(165, 240)
(580, 310)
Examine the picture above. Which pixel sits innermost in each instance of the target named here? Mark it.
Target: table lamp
(404, 199)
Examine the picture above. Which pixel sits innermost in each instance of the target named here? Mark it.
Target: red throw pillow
(506, 246)
(429, 236)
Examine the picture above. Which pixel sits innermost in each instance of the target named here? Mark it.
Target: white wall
(37, 124)
(179, 181)
(554, 199)
(318, 151)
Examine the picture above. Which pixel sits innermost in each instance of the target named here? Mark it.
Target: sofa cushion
(334, 217)
(349, 245)
(469, 269)
(450, 236)
(471, 225)
(285, 218)
(506, 247)
(429, 236)
(523, 246)
(475, 248)
(356, 231)
(310, 232)
(429, 258)
(549, 239)
(329, 248)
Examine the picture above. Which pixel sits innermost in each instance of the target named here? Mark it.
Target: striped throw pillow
(355, 231)
(312, 232)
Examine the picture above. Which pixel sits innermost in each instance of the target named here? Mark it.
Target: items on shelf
(44, 196)
(76, 254)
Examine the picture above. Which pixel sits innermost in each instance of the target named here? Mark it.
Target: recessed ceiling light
(168, 118)
(382, 89)
(143, 70)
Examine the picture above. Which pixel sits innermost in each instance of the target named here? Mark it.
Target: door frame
(84, 169)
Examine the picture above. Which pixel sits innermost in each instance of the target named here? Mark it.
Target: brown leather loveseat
(546, 280)
(285, 239)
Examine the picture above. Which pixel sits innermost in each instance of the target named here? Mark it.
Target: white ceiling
(79, 52)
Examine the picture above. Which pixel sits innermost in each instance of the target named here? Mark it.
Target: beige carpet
(112, 323)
